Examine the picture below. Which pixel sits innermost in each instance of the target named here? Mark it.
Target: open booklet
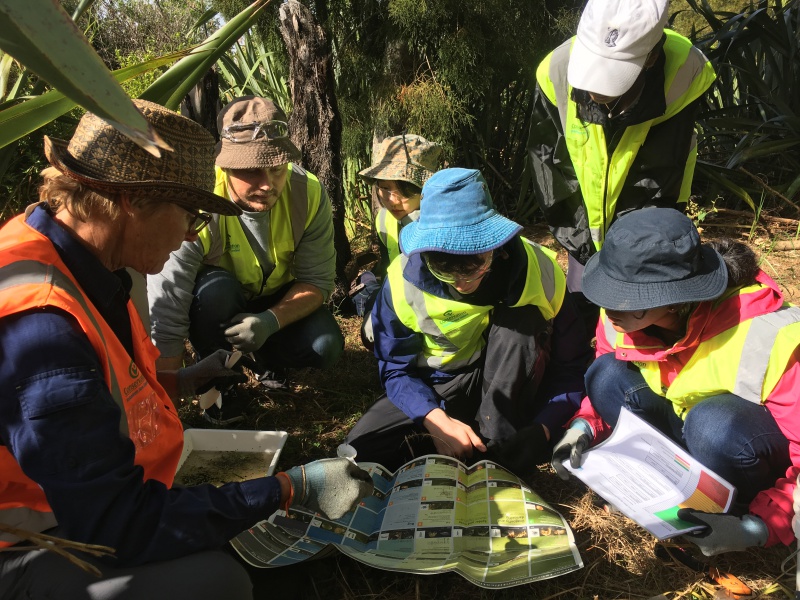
(648, 477)
(433, 515)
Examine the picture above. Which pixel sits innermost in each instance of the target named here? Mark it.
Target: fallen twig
(58, 545)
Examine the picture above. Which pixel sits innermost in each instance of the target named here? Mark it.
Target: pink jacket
(773, 506)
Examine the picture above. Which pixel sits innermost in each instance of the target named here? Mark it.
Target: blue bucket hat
(457, 216)
(653, 257)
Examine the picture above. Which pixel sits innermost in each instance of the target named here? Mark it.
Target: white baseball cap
(613, 41)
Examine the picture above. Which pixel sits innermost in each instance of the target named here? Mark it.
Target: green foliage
(750, 130)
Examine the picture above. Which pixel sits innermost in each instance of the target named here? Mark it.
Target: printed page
(648, 477)
(433, 515)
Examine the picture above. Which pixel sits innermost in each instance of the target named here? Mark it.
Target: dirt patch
(218, 467)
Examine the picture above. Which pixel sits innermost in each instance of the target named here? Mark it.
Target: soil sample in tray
(217, 467)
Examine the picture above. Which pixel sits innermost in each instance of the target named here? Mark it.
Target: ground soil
(618, 556)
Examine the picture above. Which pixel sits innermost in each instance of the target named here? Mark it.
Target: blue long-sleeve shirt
(397, 347)
(59, 420)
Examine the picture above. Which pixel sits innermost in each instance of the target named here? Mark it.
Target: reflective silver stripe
(382, 232)
(611, 333)
(597, 234)
(25, 272)
(687, 73)
(299, 202)
(757, 350)
(27, 519)
(558, 77)
(415, 299)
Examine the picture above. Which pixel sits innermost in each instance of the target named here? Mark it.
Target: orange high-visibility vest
(33, 276)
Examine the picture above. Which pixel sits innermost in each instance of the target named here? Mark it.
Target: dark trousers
(41, 574)
(497, 396)
(314, 341)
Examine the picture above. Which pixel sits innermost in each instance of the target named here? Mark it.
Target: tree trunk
(315, 122)
(202, 103)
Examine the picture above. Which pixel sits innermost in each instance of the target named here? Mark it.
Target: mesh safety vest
(33, 276)
(687, 74)
(289, 218)
(388, 230)
(452, 330)
(747, 360)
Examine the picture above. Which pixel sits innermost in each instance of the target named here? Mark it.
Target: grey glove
(723, 532)
(248, 331)
(577, 438)
(332, 486)
(207, 373)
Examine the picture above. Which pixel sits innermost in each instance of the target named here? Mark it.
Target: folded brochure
(433, 515)
(648, 478)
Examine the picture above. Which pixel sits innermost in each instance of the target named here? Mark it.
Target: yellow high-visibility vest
(687, 74)
(452, 330)
(289, 218)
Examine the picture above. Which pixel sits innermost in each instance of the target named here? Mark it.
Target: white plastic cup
(346, 451)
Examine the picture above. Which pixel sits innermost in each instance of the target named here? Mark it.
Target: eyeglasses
(241, 133)
(479, 273)
(198, 222)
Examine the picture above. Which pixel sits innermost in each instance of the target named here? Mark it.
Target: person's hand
(571, 447)
(796, 507)
(723, 532)
(248, 331)
(451, 436)
(332, 486)
(210, 372)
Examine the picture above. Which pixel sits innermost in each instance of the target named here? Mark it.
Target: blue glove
(332, 486)
(249, 331)
(724, 532)
(577, 438)
(209, 372)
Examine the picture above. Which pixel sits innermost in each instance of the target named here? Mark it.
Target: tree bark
(315, 124)
(202, 103)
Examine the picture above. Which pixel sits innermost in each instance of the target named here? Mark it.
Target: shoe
(233, 405)
(274, 380)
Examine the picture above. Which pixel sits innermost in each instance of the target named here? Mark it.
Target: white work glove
(332, 486)
(248, 331)
(577, 439)
(723, 532)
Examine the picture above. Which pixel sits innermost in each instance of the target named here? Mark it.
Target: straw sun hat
(101, 158)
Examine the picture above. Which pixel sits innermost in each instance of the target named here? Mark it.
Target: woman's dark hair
(459, 265)
(740, 260)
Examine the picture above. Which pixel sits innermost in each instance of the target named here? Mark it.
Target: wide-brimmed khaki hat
(101, 158)
(254, 134)
(405, 157)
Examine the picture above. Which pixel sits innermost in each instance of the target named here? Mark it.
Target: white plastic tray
(270, 443)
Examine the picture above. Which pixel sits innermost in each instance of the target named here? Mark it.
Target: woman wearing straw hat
(401, 166)
(698, 341)
(478, 352)
(89, 436)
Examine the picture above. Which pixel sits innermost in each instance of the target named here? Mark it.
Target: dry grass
(618, 556)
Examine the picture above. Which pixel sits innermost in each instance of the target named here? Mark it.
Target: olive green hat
(406, 157)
